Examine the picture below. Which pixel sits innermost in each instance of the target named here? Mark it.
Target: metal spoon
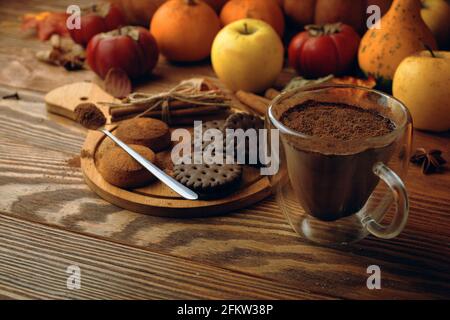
(92, 118)
(158, 173)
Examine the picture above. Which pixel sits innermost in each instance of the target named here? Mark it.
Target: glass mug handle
(398, 189)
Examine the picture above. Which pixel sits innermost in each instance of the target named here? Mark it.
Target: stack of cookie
(242, 150)
(151, 138)
(146, 136)
(249, 152)
(211, 179)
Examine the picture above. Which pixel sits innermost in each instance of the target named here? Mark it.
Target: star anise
(431, 161)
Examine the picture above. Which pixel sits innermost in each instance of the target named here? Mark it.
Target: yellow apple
(422, 83)
(247, 55)
(436, 14)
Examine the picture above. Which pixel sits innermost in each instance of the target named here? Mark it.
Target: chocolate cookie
(209, 180)
(120, 169)
(214, 124)
(148, 132)
(244, 121)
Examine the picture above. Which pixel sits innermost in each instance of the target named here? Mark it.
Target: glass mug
(331, 191)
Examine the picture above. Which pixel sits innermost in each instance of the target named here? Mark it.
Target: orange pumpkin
(185, 29)
(216, 4)
(403, 33)
(138, 12)
(353, 13)
(266, 10)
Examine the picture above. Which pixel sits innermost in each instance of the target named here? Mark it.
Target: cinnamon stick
(189, 120)
(178, 113)
(271, 93)
(120, 112)
(253, 101)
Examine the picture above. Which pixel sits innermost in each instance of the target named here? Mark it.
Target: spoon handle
(158, 173)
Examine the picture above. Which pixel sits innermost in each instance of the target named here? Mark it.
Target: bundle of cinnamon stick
(174, 109)
(180, 105)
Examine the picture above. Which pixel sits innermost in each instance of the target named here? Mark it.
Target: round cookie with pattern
(207, 137)
(213, 180)
(245, 122)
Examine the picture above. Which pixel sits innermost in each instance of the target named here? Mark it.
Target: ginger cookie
(209, 180)
(149, 132)
(245, 122)
(104, 145)
(119, 169)
(164, 160)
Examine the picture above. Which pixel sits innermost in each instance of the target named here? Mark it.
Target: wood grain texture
(34, 259)
(39, 182)
(63, 100)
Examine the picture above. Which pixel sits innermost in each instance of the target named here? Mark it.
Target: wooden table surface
(49, 219)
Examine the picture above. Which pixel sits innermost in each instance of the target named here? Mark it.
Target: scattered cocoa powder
(336, 120)
(85, 154)
(74, 162)
(89, 116)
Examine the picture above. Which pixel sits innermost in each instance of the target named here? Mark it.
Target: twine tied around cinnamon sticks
(192, 97)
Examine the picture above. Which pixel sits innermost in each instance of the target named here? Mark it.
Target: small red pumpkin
(137, 12)
(130, 49)
(96, 19)
(323, 50)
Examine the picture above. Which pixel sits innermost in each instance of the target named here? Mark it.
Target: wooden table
(49, 219)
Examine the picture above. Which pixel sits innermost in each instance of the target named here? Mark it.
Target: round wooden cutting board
(158, 200)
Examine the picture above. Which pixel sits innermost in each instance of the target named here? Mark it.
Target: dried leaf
(299, 82)
(367, 83)
(44, 56)
(131, 31)
(102, 9)
(117, 83)
(46, 24)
